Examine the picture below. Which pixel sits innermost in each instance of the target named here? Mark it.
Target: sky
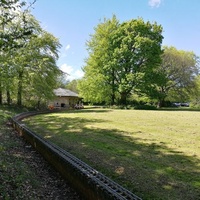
(73, 21)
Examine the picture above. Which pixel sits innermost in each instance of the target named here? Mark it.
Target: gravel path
(43, 183)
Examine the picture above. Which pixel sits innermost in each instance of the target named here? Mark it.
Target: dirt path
(24, 174)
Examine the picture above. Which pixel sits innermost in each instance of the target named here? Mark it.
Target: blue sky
(72, 21)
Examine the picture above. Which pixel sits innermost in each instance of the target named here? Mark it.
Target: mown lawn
(154, 154)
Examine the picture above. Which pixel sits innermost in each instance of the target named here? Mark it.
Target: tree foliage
(28, 63)
(11, 11)
(72, 85)
(121, 55)
(195, 93)
(178, 71)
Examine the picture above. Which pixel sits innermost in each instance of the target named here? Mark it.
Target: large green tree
(98, 83)
(195, 94)
(36, 68)
(120, 57)
(29, 71)
(177, 74)
(14, 27)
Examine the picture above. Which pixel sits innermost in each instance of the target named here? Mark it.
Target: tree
(37, 65)
(17, 52)
(195, 94)
(72, 85)
(120, 57)
(176, 74)
(32, 65)
(136, 55)
(10, 33)
(98, 83)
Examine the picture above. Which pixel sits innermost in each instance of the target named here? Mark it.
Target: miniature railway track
(90, 183)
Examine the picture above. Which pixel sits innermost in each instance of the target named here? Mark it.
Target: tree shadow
(90, 110)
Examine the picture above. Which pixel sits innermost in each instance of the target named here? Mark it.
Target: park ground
(24, 174)
(156, 158)
(153, 153)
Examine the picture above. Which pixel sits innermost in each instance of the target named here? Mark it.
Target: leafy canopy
(120, 57)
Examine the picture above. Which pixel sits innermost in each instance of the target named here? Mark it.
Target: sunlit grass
(155, 154)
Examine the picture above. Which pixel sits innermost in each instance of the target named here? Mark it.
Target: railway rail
(90, 183)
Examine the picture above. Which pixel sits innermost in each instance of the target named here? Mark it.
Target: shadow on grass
(89, 110)
(179, 109)
(150, 170)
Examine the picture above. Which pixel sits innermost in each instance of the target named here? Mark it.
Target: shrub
(145, 107)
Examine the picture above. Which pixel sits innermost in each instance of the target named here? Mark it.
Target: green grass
(155, 154)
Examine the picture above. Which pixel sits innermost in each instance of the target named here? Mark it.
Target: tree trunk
(1, 95)
(38, 104)
(161, 97)
(8, 97)
(19, 92)
(113, 88)
(161, 103)
(113, 99)
(123, 98)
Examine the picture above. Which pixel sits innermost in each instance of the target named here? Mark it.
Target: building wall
(64, 101)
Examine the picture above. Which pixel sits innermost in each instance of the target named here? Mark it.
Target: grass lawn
(154, 154)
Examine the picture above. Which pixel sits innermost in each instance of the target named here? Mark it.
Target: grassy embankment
(155, 154)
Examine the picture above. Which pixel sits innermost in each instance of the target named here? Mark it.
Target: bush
(195, 105)
(145, 107)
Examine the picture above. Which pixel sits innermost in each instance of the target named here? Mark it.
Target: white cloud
(154, 3)
(67, 47)
(66, 68)
(79, 73)
(71, 73)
